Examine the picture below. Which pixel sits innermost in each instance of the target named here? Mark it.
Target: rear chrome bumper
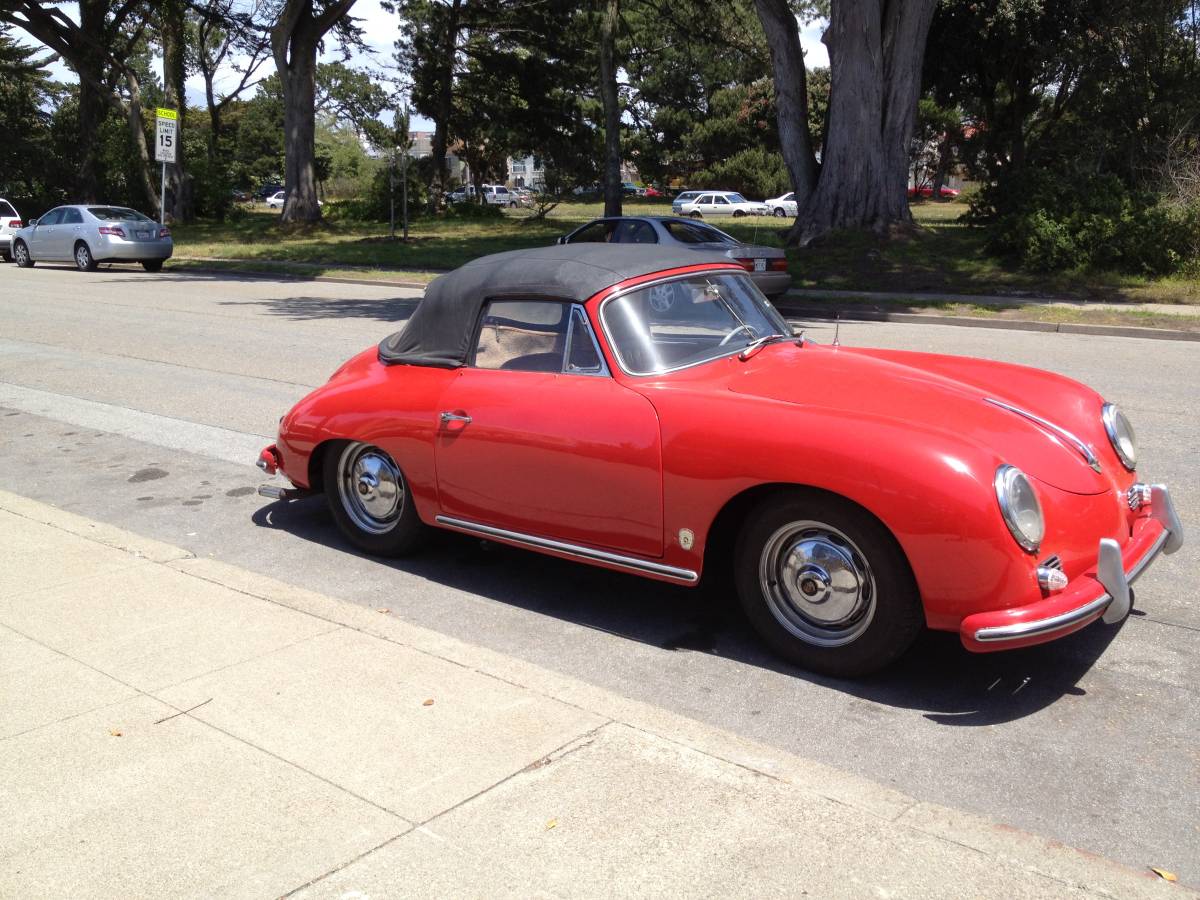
(135, 250)
(1102, 593)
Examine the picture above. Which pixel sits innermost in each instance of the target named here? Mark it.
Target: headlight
(1020, 507)
(1120, 434)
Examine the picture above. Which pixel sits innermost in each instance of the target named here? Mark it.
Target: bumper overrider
(1100, 593)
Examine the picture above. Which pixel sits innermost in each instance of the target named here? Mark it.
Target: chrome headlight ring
(1020, 507)
(1120, 435)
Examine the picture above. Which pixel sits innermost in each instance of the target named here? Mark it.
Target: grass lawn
(944, 256)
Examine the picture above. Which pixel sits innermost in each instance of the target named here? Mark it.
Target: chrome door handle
(448, 417)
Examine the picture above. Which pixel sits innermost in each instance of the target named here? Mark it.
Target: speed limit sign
(167, 136)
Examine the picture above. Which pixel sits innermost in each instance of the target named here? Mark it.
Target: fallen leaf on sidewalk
(428, 703)
(1164, 874)
(383, 609)
(116, 732)
(553, 823)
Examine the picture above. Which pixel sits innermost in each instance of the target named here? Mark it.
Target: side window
(597, 232)
(633, 232)
(721, 201)
(522, 335)
(51, 218)
(72, 217)
(583, 353)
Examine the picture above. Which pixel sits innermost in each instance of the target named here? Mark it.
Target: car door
(721, 206)
(68, 230)
(537, 438)
(41, 240)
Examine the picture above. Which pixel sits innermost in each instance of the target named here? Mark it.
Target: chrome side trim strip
(632, 563)
(1044, 626)
(1083, 449)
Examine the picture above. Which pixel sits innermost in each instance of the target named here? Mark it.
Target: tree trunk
(93, 110)
(137, 132)
(294, 40)
(791, 94)
(875, 55)
(610, 18)
(179, 184)
(445, 107)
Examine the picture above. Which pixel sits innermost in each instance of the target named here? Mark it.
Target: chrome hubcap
(371, 488)
(817, 584)
(81, 257)
(20, 253)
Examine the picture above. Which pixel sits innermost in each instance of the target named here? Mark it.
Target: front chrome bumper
(1105, 594)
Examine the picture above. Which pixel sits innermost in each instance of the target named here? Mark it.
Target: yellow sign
(164, 113)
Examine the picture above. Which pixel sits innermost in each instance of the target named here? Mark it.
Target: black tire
(737, 213)
(84, 261)
(695, 215)
(152, 265)
(21, 255)
(512, 205)
(779, 212)
(399, 532)
(819, 539)
(6, 256)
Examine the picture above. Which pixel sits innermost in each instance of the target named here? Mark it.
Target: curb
(850, 313)
(1007, 845)
(857, 314)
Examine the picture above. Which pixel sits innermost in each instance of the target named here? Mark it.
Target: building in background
(526, 172)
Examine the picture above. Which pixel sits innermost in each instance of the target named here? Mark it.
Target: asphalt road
(142, 400)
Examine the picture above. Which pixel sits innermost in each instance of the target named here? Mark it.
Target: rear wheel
(84, 261)
(737, 213)
(6, 256)
(152, 265)
(826, 585)
(21, 255)
(369, 498)
(695, 215)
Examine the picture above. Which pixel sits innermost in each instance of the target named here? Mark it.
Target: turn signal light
(114, 230)
(1051, 579)
(164, 232)
(779, 265)
(15, 223)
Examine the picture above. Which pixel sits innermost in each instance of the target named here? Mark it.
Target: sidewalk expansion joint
(345, 864)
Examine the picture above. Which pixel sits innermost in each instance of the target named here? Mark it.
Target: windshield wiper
(757, 344)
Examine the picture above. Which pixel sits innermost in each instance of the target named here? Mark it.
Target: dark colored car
(268, 189)
(766, 265)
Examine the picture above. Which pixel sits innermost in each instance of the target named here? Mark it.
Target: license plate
(142, 235)
(760, 265)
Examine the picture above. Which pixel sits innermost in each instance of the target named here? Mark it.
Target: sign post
(165, 144)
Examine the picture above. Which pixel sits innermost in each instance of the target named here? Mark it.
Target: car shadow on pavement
(307, 309)
(937, 676)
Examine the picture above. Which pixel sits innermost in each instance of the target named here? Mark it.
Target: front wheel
(152, 265)
(6, 256)
(779, 213)
(370, 501)
(695, 215)
(21, 255)
(84, 261)
(826, 585)
(737, 213)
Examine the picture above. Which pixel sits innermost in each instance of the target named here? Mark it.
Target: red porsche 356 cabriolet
(655, 414)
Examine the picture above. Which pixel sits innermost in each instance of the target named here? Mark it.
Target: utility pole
(404, 173)
(392, 194)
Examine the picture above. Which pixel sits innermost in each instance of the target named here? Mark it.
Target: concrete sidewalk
(173, 726)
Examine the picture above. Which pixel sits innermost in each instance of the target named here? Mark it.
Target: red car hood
(946, 392)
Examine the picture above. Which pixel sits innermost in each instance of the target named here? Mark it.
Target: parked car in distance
(782, 206)
(499, 195)
(278, 199)
(90, 234)
(721, 203)
(651, 191)
(268, 189)
(767, 266)
(10, 221)
(681, 198)
(240, 196)
(647, 410)
(925, 192)
(629, 188)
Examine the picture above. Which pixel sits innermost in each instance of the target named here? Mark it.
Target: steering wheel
(746, 328)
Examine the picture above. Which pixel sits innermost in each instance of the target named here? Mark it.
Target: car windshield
(687, 321)
(688, 232)
(117, 214)
(736, 198)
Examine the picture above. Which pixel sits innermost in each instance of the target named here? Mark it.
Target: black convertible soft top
(440, 331)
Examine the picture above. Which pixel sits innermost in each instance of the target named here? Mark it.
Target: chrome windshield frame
(616, 295)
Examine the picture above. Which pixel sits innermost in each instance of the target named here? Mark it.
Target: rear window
(117, 214)
(7, 210)
(694, 233)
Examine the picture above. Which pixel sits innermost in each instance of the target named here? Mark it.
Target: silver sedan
(90, 234)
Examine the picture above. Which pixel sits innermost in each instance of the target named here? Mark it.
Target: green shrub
(1049, 221)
